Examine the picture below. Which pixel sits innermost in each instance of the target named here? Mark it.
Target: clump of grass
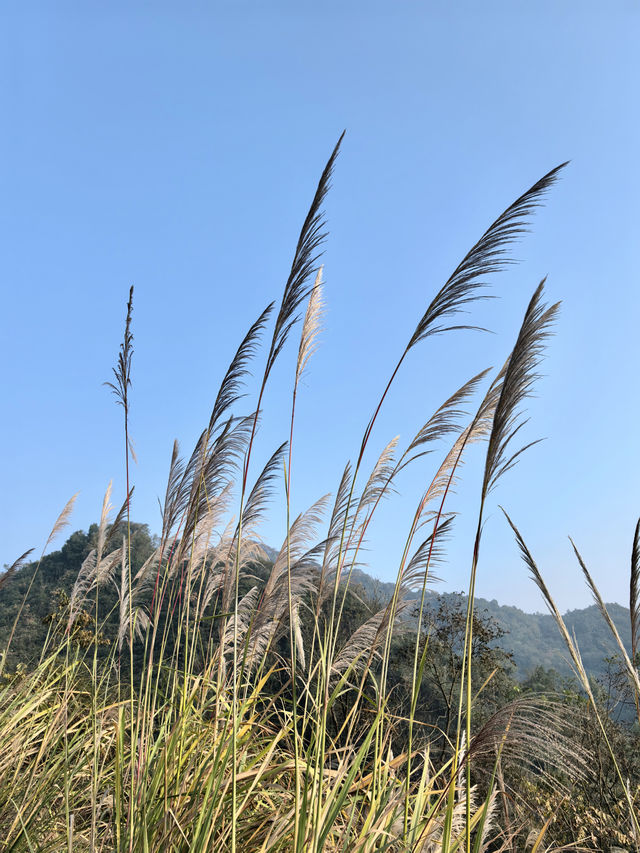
(239, 714)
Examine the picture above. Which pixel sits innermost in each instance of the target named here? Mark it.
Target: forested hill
(532, 637)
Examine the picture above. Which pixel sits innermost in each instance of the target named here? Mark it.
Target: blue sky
(176, 147)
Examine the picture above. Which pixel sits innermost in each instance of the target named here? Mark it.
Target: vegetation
(188, 693)
(531, 639)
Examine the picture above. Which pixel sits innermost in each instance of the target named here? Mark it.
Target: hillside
(533, 638)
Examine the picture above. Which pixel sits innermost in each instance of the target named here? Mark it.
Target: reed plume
(519, 378)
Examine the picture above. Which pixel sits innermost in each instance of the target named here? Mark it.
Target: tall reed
(235, 708)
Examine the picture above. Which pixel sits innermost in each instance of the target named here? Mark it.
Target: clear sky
(176, 147)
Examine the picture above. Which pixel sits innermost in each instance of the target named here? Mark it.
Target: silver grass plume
(302, 561)
(208, 472)
(244, 615)
(519, 377)
(114, 527)
(296, 545)
(14, 567)
(634, 592)
(93, 573)
(311, 326)
(480, 426)
(63, 519)
(445, 477)
(632, 672)
(205, 527)
(97, 569)
(61, 522)
(135, 611)
(487, 257)
(379, 481)
(297, 634)
(219, 560)
(256, 504)
(203, 558)
(170, 509)
(430, 551)
(104, 520)
(443, 422)
(230, 389)
(340, 516)
(305, 258)
(122, 372)
(533, 729)
(362, 646)
(465, 285)
(244, 550)
(144, 576)
(219, 447)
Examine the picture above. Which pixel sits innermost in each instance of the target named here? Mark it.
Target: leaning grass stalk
(61, 523)
(579, 670)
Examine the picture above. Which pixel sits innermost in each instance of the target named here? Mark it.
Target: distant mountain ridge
(533, 638)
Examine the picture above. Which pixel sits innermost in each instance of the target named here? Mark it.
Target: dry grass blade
(631, 670)
(485, 258)
(306, 256)
(519, 377)
(634, 591)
